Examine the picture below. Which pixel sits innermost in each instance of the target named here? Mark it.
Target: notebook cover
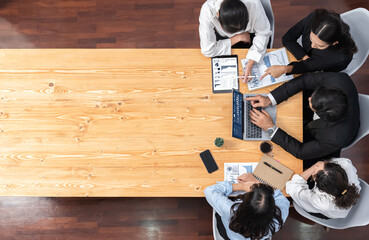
(270, 176)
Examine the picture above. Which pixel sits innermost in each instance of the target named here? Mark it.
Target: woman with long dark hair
(326, 45)
(226, 24)
(256, 214)
(334, 191)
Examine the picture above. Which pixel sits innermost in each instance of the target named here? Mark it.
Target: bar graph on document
(277, 57)
(233, 170)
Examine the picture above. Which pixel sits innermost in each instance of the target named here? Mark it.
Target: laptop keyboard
(237, 124)
(252, 131)
(237, 109)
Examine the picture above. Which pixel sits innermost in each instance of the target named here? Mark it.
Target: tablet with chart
(277, 57)
(224, 73)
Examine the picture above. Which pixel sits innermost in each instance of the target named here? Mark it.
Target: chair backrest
(364, 119)
(358, 216)
(358, 20)
(267, 5)
(216, 234)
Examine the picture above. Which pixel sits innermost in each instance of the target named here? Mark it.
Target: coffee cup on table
(266, 147)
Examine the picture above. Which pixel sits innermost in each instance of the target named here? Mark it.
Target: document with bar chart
(233, 170)
(277, 57)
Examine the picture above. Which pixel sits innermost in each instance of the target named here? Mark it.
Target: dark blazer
(329, 60)
(327, 138)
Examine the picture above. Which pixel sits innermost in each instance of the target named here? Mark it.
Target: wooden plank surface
(122, 122)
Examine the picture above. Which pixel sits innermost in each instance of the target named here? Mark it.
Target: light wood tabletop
(119, 122)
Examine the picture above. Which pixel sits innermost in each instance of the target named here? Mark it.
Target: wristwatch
(271, 130)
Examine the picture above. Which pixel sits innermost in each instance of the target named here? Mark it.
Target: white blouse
(316, 201)
(258, 24)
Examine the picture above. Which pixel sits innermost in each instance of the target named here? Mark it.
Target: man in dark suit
(334, 121)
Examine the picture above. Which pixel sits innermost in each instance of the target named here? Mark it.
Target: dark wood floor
(139, 24)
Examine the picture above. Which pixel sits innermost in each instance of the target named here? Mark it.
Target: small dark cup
(266, 147)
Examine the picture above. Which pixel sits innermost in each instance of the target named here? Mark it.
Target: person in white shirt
(336, 188)
(234, 20)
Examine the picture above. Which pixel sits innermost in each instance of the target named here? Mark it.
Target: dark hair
(330, 103)
(333, 180)
(233, 16)
(329, 27)
(257, 214)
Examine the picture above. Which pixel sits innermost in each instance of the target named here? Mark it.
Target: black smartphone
(208, 161)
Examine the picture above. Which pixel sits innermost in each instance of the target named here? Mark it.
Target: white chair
(358, 216)
(216, 234)
(267, 5)
(364, 119)
(358, 20)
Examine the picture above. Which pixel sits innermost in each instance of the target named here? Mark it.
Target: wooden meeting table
(119, 123)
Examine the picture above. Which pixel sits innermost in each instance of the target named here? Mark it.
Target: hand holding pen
(247, 71)
(249, 77)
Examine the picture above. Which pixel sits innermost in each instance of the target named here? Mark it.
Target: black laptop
(242, 127)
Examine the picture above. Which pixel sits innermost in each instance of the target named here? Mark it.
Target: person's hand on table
(246, 186)
(262, 119)
(247, 177)
(275, 71)
(259, 101)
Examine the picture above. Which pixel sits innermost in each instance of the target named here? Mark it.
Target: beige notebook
(273, 173)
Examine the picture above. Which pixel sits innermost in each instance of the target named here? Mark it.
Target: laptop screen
(237, 117)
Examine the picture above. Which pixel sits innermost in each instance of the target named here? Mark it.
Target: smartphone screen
(208, 161)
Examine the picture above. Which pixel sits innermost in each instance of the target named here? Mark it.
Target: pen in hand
(247, 77)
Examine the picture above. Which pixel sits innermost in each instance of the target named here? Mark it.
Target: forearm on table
(306, 174)
(292, 87)
(288, 69)
(237, 187)
(303, 150)
(287, 142)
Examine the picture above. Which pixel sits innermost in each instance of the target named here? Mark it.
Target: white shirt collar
(315, 116)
